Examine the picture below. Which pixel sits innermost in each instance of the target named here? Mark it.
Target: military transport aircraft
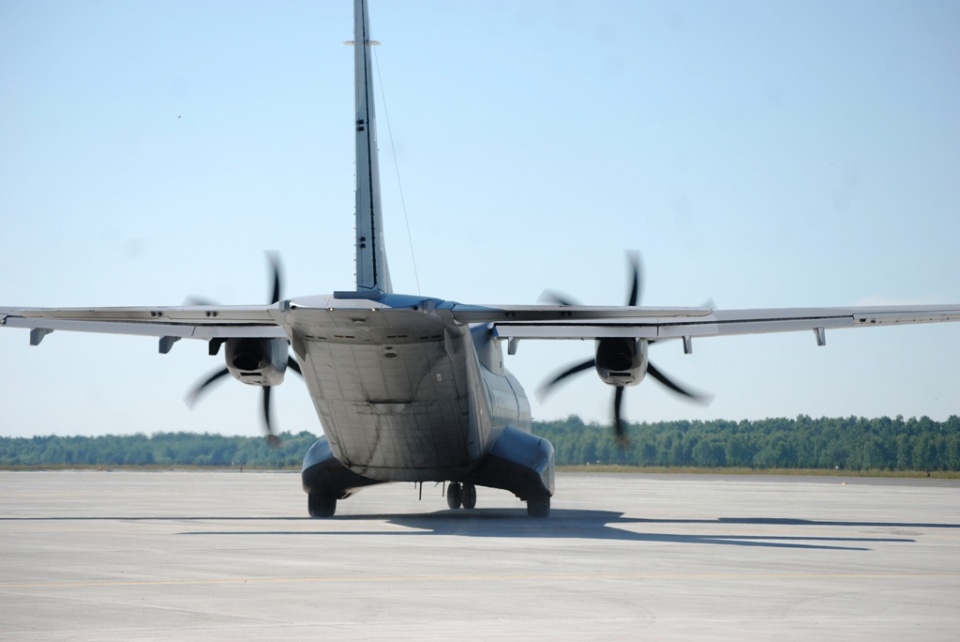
(412, 388)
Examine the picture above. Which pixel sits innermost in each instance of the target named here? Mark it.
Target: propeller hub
(257, 362)
(620, 362)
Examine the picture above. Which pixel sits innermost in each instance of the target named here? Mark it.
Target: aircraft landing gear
(454, 495)
(321, 505)
(469, 496)
(538, 506)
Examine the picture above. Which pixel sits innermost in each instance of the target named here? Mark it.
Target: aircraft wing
(509, 322)
(195, 322)
(588, 322)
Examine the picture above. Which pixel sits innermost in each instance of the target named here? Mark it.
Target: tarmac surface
(209, 556)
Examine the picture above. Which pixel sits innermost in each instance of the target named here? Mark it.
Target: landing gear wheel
(469, 497)
(321, 505)
(538, 506)
(454, 495)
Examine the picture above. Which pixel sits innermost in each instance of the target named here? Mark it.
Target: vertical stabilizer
(372, 273)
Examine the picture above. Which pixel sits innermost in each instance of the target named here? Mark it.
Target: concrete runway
(180, 556)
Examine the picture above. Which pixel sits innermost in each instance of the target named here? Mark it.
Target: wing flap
(196, 322)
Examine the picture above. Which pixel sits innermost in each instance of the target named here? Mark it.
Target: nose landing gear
(461, 495)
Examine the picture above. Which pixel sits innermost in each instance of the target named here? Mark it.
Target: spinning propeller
(255, 361)
(620, 362)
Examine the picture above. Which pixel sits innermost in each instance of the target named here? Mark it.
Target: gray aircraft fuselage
(406, 396)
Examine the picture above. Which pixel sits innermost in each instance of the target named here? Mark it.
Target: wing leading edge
(584, 322)
(195, 322)
(556, 322)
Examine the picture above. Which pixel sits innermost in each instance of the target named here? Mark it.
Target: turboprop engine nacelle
(258, 362)
(621, 361)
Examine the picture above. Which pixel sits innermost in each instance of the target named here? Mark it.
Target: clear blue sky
(758, 154)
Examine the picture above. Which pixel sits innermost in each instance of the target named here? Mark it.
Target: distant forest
(846, 444)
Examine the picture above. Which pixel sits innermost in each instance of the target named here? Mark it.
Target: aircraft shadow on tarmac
(603, 525)
(562, 524)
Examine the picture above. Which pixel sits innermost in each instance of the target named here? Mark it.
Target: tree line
(850, 443)
(160, 450)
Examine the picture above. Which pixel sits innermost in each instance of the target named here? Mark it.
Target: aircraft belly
(392, 412)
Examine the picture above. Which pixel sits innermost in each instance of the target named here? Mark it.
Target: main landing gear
(464, 495)
(538, 506)
(321, 505)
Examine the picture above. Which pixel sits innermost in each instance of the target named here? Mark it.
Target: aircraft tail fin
(372, 272)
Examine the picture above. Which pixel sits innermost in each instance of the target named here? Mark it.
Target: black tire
(454, 495)
(321, 505)
(538, 506)
(469, 496)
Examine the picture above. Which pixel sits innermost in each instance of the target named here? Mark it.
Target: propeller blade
(272, 438)
(191, 397)
(275, 267)
(580, 367)
(619, 429)
(634, 297)
(552, 296)
(293, 365)
(198, 300)
(275, 294)
(672, 385)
